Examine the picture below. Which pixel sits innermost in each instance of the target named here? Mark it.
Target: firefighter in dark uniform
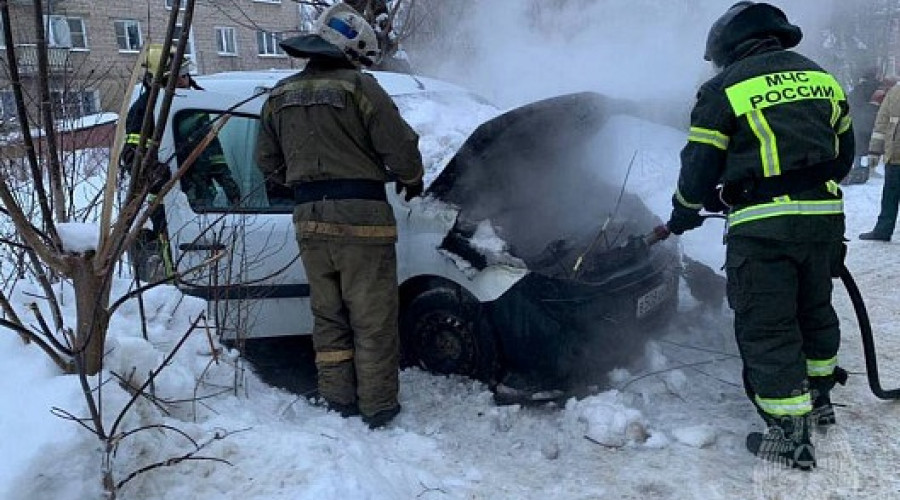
(197, 182)
(770, 139)
(209, 167)
(331, 133)
(155, 241)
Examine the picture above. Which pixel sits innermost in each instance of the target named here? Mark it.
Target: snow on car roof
(246, 82)
(443, 114)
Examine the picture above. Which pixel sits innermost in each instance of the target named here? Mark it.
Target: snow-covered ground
(673, 428)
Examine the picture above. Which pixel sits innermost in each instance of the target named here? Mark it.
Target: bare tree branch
(57, 199)
(22, 114)
(65, 415)
(155, 373)
(136, 292)
(57, 359)
(46, 330)
(176, 460)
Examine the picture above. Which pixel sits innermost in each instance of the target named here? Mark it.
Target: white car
(502, 277)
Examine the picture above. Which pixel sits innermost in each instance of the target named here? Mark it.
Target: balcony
(58, 59)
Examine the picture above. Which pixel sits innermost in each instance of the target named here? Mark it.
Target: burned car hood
(539, 177)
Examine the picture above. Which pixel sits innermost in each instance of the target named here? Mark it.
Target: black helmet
(748, 21)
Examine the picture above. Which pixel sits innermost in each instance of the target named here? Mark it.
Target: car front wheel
(442, 331)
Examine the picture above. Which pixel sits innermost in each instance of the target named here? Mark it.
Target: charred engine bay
(536, 175)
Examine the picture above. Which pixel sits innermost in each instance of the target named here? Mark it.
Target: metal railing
(26, 55)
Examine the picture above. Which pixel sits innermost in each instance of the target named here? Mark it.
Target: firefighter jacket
(210, 165)
(135, 119)
(159, 174)
(770, 117)
(885, 138)
(336, 124)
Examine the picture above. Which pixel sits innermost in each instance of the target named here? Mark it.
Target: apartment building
(94, 44)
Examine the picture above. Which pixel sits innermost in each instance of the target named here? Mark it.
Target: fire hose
(662, 232)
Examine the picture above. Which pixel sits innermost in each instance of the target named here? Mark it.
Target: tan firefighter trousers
(354, 301)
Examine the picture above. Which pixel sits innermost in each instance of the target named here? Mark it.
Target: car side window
(224, 175)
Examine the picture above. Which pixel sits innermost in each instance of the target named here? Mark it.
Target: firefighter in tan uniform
(332, 134)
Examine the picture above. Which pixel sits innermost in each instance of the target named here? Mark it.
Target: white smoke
(517, 51)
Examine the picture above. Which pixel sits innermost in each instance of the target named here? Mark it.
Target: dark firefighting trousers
(890, 200)
(786, 328)
(354, 300)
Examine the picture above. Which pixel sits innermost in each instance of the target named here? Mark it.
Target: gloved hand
(872, 160)
(658, 233)
(683, 219)
(412, 190)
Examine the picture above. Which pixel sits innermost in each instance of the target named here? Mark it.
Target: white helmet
(343, 27)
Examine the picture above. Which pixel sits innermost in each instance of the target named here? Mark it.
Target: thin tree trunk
(57, 198)
(91, 302)
(22, 115)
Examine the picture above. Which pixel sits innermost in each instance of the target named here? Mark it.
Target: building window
(75, 103)
(308, 16)
(128, 35)
(2, 34)
(68, 32)
(225, 42)
(176, 35)
(188, 47)
(181, 5)
(267, 44)
(7, 105)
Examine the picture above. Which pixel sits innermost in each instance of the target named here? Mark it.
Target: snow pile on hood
(443, 121)
(492, 247)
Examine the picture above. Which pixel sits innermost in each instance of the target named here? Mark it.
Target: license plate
(649, 301)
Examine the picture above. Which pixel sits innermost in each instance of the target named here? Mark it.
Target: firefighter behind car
(154, 242)
(772, 128)
(331, 133)
(197, 182)
(209, 167)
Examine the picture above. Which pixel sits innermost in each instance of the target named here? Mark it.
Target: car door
(242, 257)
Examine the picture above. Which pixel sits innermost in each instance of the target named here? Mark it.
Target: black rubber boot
(381, 418)
(875, 236)
(822, 415)
(857, 175)
(345, 410)
(890, 203)
(785, 442)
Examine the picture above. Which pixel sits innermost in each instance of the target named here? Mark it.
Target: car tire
(443, 331)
